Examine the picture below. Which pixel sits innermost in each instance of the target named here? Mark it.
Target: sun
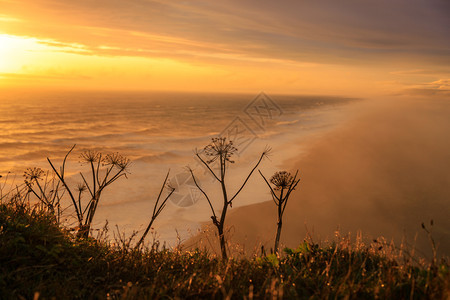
(13, 50)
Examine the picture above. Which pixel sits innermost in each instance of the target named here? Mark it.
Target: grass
(39, 259)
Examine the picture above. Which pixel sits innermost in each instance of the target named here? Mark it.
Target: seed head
(90, 156)
(220, 147)
(117, 160)
(282, 180)
(81, 187)
(33, 174)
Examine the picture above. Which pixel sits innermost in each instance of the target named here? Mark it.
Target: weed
(37, 257)
(104, 171)
(222, 151)
(157, 208)
(285, 183)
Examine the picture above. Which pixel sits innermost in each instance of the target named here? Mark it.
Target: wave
(157, 135)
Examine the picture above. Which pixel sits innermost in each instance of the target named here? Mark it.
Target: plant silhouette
(284, 183)
(104, 171)
(157, 208)
(220, 150)
(47, 192)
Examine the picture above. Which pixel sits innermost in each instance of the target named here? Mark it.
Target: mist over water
(383, 171)
(158, 132)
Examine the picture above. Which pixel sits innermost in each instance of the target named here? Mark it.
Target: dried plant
(222, 151)
(284, 183)
(18, 193)
(104, 171)
(158, 207)
(48, 192)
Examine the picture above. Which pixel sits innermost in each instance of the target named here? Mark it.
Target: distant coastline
(381, 174)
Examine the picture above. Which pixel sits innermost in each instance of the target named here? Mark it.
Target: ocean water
(158, 132)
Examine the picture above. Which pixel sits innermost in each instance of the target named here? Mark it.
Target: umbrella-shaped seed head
(220, 147)
(90, 156)
(33, 174)
(282, 180)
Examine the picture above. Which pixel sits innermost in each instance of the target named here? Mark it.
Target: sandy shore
(382, 172)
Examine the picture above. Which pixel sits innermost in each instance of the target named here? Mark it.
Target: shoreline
(331, 119)
(382, 173)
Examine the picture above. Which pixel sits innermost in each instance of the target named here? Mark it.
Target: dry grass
(38, 258)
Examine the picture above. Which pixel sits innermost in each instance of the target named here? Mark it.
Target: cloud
(426, 92)
(49, 74)
(441, 84)
(245, 45)
(5, 18)
(69, 46)
(321, 31)
(439, 87)
(418, 72)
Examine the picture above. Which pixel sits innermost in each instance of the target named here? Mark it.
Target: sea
(159, 132)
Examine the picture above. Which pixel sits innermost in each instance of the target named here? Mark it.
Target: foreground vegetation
(39, 259)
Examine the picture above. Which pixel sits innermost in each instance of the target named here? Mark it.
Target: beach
(158, 132)
(373, 168)
(379, 174)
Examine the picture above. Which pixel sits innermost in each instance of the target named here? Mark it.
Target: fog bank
(382, 172)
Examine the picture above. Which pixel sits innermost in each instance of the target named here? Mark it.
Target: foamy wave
(281, 123)
(156, 136)
(160, 157)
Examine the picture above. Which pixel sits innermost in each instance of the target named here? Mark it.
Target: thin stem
(61, 178)
(30, 189)
(97, 178)
(203, 192)
(79, 200)
(210, 170)
(93, 177)
(64, 161)
(87, 185)
(156, 210)
(160, 192)
(270, 187)
(291, 188)
(248, 177)
(55, 192)
(108, 171)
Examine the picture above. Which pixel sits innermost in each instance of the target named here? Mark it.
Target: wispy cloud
(328, 31)
(50, 74)
(66, 46)
(418, 72)
(6, 18)
(441, 84)
(439, 87)
(307, 44)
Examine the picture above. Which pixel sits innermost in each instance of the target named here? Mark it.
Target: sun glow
(13, 52)
(40, 62)
(29, 61)
(26, 55)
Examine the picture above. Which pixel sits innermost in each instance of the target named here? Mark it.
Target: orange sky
(310, 47)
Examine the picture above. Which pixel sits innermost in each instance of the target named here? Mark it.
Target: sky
(346, 47)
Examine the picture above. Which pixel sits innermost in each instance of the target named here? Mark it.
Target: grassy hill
(41, 260)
